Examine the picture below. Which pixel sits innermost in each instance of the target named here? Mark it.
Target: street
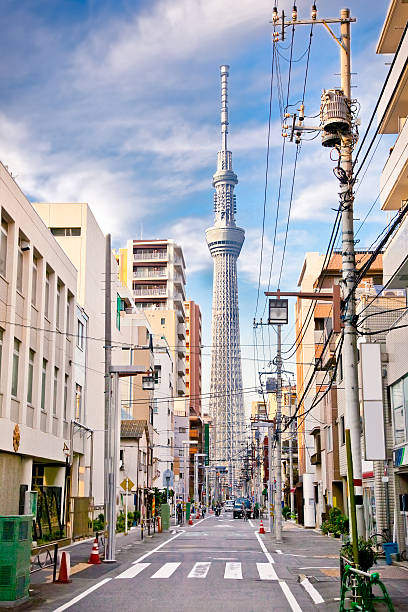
(220, 563)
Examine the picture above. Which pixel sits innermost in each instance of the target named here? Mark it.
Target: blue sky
(116, 103)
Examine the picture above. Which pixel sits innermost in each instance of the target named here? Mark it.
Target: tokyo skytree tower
(225, 240)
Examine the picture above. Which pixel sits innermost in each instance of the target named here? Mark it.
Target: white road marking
(320, 567)
(200, 570)
(314, 593)
(133, 570)
(279, 551)
(250, 523)
(82, 595)
(200, 521)
(266, 571)
(166, 570)
(233, 571)
(265, 550)
(289, 596)
(157, 548)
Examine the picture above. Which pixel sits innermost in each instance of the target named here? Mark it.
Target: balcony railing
(149, 273)
(150, 255)
(316, 458)
(145, 291)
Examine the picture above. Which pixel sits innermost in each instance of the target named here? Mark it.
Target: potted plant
(366, 553)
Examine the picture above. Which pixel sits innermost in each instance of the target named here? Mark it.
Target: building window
(182, 429)
(3, 247)
(66, 396)
(163, 321)
(43, 383)
(1, 346)
(80, 335)
(68, 315)
(16, 360)
(65, 231)
(31, 356)
(20, 268)
(34, 283)
(58, 317)
(342, 430)
(78, 402)
(157, 375)
(399, 402)
(47, 295)
(329, 438)
(54, 403)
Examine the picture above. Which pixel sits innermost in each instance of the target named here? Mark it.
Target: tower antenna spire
(224, 105)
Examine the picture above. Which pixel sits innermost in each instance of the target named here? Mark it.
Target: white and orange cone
(94, 558)
(261, 527)
(65, 568)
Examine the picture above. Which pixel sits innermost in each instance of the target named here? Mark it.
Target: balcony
(179, 297)
(150, 291)
(316, 458)
(393, 102)
(181, 331)
(396, 259)
(144, 273)
(394, 177)
(145, 255)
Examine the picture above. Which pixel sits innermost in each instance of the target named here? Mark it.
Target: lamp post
(112, 455)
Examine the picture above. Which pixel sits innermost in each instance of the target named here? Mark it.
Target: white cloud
(189, 232)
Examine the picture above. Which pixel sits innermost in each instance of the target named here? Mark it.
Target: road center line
(264, 549)
(157, 548)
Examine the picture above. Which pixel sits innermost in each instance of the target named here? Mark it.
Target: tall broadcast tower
(225, 240)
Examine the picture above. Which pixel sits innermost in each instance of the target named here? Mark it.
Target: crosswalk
(201, 569)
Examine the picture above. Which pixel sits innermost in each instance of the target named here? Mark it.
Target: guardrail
(360, 585)
(43, 558)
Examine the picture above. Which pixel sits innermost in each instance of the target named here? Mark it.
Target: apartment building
(154, 271)
(391, 115)
(163, 411)
(38, 285)
(322, 466)
(75, 228)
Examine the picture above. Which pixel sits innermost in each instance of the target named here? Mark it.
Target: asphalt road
(219, 564)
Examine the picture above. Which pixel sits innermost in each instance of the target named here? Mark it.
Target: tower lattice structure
(225, 240)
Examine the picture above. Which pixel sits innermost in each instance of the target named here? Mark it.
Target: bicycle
(378, 539)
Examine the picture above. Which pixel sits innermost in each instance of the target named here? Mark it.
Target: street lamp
(111, 455)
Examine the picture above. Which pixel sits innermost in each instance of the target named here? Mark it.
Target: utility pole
(343, 139)
(291, 435)
(108, 389)
(271, 477)
(278, 502)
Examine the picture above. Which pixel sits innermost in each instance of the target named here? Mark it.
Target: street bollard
(141, 529)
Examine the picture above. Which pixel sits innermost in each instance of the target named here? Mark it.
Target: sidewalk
(46, 595)
(310, 554)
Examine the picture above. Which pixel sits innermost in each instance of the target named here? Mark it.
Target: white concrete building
(38, 284)
(163, 411)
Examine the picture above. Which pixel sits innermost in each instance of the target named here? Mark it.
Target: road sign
(168, 478)
(127, 484)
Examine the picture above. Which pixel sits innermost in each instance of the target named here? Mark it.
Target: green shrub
(286, 512)
(367, 556)
(99, 523)
(336, 523)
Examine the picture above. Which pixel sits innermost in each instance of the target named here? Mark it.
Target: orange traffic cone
(94, 556)
(65, 567)
(261, 527)
(190, 520)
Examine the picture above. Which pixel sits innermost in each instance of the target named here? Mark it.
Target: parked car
(238, 507)
(229, 505)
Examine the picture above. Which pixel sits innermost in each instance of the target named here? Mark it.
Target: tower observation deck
(224, 241)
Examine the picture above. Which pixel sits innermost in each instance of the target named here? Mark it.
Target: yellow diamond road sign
(127, 484)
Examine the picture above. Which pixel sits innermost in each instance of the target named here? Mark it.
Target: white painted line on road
(279, 551)
(157, 548)
(266, 571)
(200, 521)
(133, 570)
(265, 550)
(82, 595)
(250, 523)
(200, 569)
(289, 596)
(314, 593)
(233, 571)
(166, 570)
(320, 567)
